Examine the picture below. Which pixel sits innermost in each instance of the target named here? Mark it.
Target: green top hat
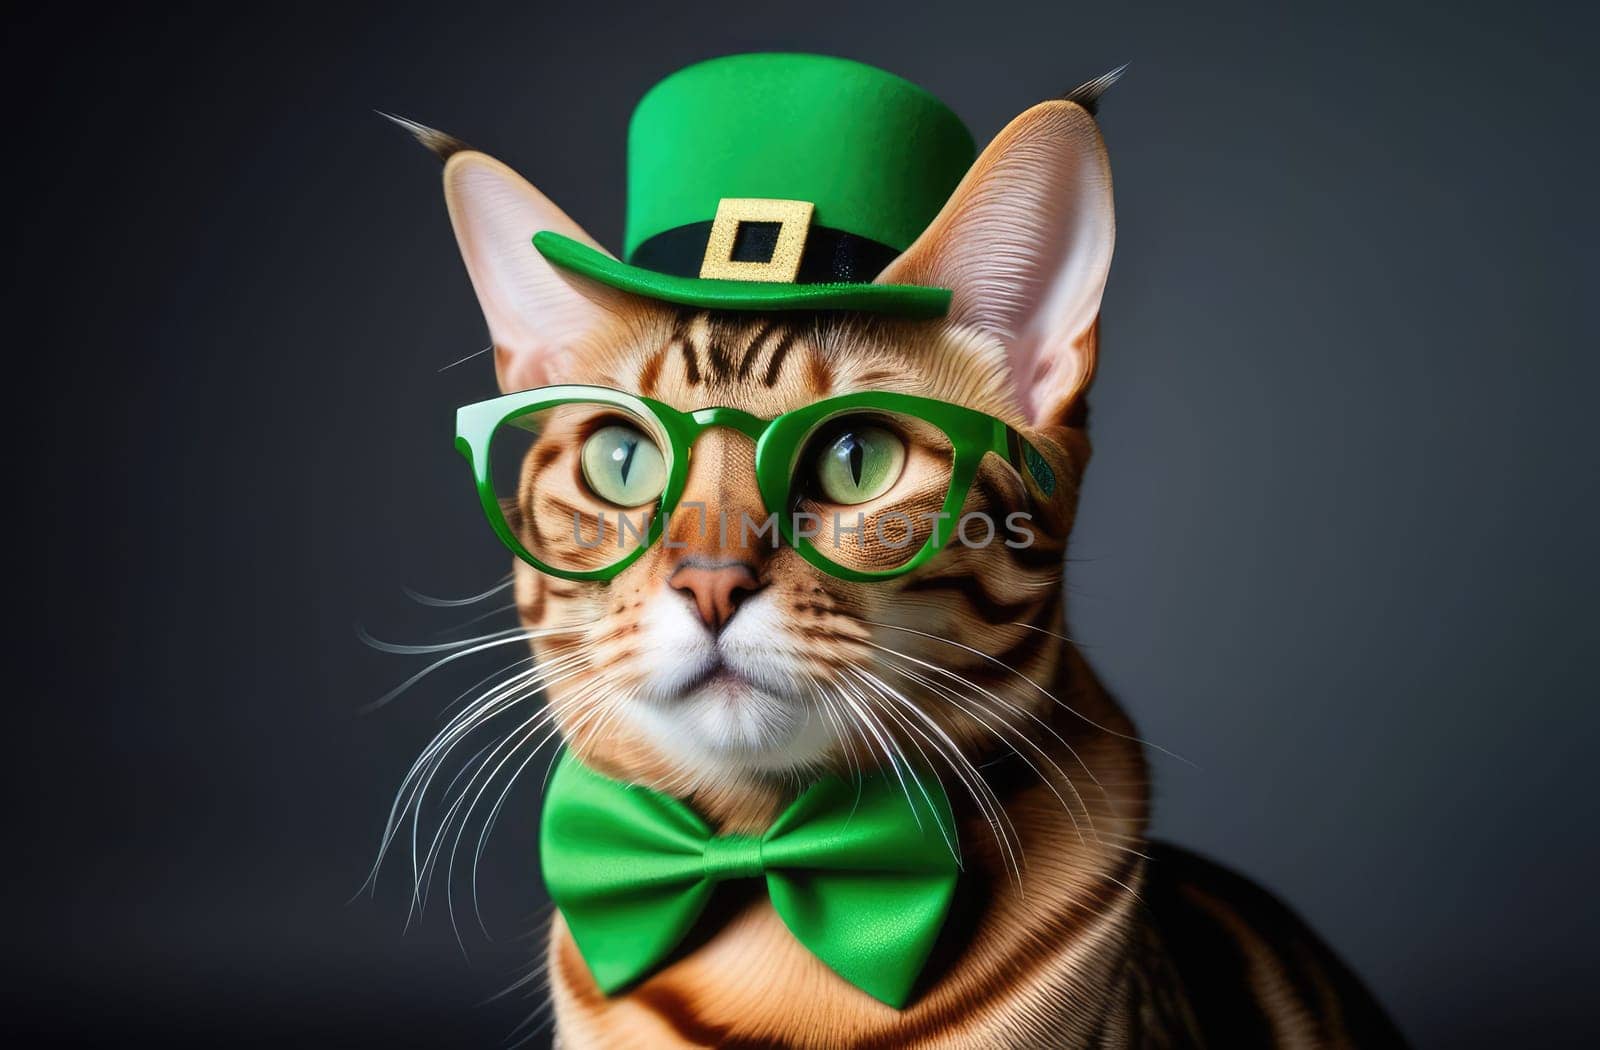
(779, 182)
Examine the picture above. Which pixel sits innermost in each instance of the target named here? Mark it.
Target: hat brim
(902, 300)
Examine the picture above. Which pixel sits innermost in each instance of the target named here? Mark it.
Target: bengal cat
(726, 670)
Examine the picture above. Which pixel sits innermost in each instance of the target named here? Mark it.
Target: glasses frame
(779, 444)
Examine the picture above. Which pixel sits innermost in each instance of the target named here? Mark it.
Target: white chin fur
(758, 721)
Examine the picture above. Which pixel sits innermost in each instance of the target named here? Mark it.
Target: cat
(1070, 927)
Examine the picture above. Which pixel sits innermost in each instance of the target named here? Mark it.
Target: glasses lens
(580, 483)
(869, 488)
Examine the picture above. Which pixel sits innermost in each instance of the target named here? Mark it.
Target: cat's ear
(537, 314)
(1024, 244)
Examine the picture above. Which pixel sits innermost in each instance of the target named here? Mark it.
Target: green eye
(860, 464)
(622, 466)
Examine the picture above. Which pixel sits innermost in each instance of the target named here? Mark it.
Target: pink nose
(716, 590)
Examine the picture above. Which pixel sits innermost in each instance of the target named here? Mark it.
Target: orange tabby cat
(1070, 929)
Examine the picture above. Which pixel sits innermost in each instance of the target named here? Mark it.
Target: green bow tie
(862, 877)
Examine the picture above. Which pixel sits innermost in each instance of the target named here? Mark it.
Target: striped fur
(1071, 930)
(1065, 933)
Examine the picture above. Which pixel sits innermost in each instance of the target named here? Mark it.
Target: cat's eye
(622, 466)
(859, 462)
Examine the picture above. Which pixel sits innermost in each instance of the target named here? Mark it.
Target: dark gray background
(1336, 545)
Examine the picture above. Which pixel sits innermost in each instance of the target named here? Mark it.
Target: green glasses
(864, 486)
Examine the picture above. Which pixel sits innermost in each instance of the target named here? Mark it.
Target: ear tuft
(441, 145)
(1088, 93)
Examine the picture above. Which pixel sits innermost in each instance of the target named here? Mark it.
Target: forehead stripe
(775, 362)
(753, 351)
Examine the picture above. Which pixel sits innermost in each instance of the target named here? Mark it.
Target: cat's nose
(716, 590)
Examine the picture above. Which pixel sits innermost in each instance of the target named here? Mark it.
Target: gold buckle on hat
(794, 225)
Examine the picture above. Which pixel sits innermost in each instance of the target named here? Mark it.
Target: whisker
(1042, 690)
(581, 695)
(501, 698)
(962, 705)
(1018, 733)
(1044, 631)
(983, 796)
(469, 357)
(424, 865)
(516, 738)
(950, 843)
(1100, 836)
(499, 638)
(836, 721)
(426, 648)
(466, 819)
(489, 614)
(871, 724)
(963, 680)
(456, 603)
(462, 696)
